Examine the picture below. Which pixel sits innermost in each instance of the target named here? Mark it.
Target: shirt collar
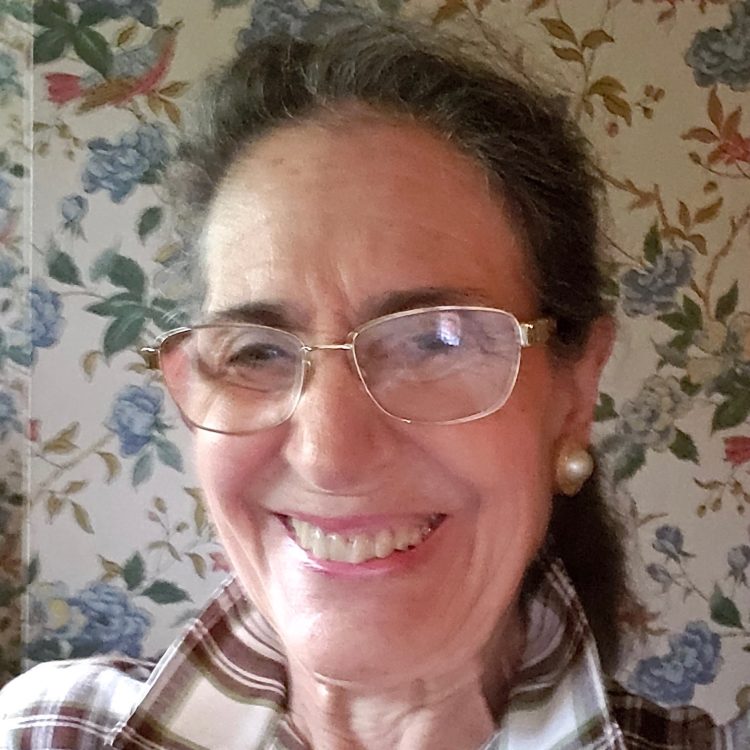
(223, 684)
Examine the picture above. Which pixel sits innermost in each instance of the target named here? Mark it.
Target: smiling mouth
(362, 546)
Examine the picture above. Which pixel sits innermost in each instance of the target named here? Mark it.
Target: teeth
(359, 548)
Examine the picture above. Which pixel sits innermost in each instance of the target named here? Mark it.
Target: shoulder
(649, 726)
(70, 703)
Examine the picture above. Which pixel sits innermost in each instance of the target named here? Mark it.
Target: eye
(256, 355)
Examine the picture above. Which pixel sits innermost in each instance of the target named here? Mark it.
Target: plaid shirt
(222, 686)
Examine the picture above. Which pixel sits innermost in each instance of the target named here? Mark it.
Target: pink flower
(734, 149)
(220, 562)
(737, 450)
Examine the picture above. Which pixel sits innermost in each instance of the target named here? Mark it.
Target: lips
(357, 547)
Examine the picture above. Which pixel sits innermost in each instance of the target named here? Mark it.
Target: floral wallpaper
(119, 553)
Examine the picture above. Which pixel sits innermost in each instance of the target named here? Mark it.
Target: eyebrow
(433, 296)
(277, 315)
(269, 314)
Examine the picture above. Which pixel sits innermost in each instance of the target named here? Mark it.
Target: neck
(458, 706)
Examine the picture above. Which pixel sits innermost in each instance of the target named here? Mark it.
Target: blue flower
(113, 623)
(9, 83)
(669, 540)
(46, 318)
(723, 55)
(660, 574)
(273, 16)
(694, 658)
(135, 417)
(652, 289)
(698, 650)
(8, 415)
(142, 10)
(138, 157)
(73, 209)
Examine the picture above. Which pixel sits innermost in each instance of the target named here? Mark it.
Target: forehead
(347, 213)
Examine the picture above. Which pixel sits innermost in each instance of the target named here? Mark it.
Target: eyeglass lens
(426, 366)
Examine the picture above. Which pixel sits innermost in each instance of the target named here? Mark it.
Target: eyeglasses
(436, 365)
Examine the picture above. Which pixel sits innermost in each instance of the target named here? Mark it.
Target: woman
(390, 391)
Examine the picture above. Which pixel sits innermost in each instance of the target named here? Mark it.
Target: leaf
(50, 45)
(723, 610)
(169, 454)
(605, 409)
(684, 448)
(112, 463)
(165, 313)
(618, 107)
(693, 315)
(62, 442)
(173, 90)
(173, 112)
(143, 469)
(125, 272)
(126, 34)
(606, 85)
(82, 518)
(111, 568)
(134, 571)
(119, 304)
(101, 267)
(160, 504)
(51, 13)
(166, 252)
(199, 564)
(687, 387)
(568, 53)
(594, 39)
(149, 222)
(727, 303)
(732, 412)
(76, 486)
(32, 571)
(123, 331)
(704, 135)
(731, 125)
(93, 49)
(715, 110)
(164, 592)
(537, 5)
(154, 103)
(199, 513)
(559, 29)
(54, 506)
(448, 10)
(61, 267)
(684, 215)
(173, 551)
(709, 212)
(628, 462)
(676, 321)
(652, 248)
(89, 362)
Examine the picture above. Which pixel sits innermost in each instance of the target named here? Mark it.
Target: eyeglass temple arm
(538, 332)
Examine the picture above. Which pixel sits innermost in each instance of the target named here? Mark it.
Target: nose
(339, 442)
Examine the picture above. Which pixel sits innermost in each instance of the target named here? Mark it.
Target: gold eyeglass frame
(531, 333)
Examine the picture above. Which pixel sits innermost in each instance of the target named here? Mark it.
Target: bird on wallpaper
(133, 72)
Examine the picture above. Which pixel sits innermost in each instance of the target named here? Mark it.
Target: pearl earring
(573, 468)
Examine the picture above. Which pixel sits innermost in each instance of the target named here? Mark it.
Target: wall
(118, 549)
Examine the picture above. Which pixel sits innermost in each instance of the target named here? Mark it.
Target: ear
(584, 374)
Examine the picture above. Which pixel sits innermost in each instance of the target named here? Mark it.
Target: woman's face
(318, 230)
